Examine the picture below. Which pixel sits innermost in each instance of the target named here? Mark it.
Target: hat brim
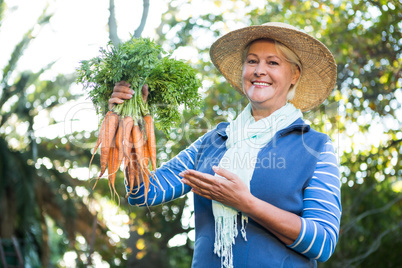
(318, 64)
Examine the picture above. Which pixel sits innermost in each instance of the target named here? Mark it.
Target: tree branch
(138, 31)
(373, 247)
(353, 222)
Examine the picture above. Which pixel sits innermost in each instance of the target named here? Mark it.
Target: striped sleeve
(166, 185)
(321, 209)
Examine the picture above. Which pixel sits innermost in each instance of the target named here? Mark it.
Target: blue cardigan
(296, 171)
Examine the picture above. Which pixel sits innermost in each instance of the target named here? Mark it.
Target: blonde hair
(288, 55)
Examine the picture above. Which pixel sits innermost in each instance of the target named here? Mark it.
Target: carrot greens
(171, 82)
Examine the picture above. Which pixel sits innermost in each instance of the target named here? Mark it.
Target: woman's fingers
(122, 91)
(206, 185)
(224, 173)
(123, 87)
(114, 100)
(122, 84)
(196, 179)
(122, 95)
(225, 187)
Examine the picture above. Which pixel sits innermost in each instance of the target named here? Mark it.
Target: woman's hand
(122, 92)
(229, 190)
(234, 193)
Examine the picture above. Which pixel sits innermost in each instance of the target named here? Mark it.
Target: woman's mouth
(259, 83)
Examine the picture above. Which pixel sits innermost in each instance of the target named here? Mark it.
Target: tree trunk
(8, 214)
(113, 25)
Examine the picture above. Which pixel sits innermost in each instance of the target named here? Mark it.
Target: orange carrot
(128, 155)
(146, 154)
(127, 139)
(108, 135)
(129, 176)
(113, 167)
(150, 131)
(136, 174)
(117, 156)
(129, 164)
(119, 142)
(133, 171)
(136, 168)
(138, 140)
(100, 135)
(110, 165)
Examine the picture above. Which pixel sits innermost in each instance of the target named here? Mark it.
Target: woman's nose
(259, 70)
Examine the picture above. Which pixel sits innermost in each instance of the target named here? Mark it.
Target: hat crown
(280, 24)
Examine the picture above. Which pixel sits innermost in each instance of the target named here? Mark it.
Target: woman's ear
(296, 75)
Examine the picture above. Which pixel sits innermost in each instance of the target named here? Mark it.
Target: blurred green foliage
(363, 116)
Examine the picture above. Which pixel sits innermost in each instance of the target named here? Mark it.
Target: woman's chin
(259, 99)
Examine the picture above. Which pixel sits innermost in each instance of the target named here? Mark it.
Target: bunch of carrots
(122, 139)
(126, 135)
(127, 140)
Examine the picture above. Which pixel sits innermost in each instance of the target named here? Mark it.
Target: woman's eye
(273, 63)
(252, 61)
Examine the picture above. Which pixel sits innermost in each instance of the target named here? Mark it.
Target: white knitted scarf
(245, 139)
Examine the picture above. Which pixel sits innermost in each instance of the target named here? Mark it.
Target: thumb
(145, 92)
(223, 172)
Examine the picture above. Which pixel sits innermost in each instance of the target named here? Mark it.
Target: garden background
(48, 126)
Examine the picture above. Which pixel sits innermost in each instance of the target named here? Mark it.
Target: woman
(267, 170)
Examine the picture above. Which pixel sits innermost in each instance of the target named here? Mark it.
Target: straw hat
(318, 64)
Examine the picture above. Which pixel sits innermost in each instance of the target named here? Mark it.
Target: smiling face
(267, 78)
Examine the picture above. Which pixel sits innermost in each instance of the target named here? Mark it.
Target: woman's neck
(261, 113)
